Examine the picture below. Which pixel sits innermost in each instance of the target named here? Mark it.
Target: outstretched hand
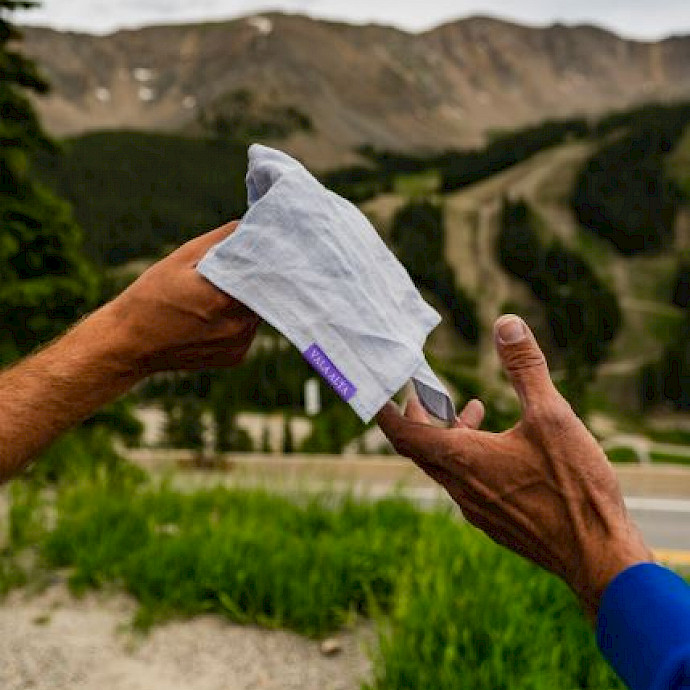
(544, 489)
(170, 318)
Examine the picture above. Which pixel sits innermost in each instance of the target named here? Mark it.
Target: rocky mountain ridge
(325, 88)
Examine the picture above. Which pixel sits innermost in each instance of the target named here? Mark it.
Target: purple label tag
(317, 358)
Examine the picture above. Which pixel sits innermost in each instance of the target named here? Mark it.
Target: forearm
(61, 385)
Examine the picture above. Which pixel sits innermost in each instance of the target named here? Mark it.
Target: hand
(172, 318)
(544, 489)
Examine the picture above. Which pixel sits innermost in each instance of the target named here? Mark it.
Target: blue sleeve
(643, 628)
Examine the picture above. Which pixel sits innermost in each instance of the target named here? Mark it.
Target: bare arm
(60, 386)
(170, 318)
(544, 489)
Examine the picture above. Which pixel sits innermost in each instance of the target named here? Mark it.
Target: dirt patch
(53, 641)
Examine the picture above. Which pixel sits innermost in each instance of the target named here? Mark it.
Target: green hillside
(599, 297)
(592, 260)
(135, 193)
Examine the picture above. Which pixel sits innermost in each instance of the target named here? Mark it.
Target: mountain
(324, 88)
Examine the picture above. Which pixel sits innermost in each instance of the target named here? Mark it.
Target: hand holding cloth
(310, 264)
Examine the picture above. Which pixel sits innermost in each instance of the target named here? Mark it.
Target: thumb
(523, 361)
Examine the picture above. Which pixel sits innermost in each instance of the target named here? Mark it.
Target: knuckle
(518, 360)
(553, 413)
(215, 303)
(409, 446)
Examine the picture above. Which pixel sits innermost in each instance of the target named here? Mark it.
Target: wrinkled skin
(543, 489)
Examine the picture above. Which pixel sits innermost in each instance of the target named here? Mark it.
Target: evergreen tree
(222, 404)
(288, 442)
(46, 281)
(418, 235)
(625, 193)
(184, 424)
(519, 248)
(266, 440)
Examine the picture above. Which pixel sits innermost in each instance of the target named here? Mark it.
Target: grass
(598, 253)
(469, 615)
(670, 458)
(417, 185)
(622, 454)
(453, 609)
(247, 555)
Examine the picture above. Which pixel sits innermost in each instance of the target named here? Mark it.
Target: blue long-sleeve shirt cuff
(643, 628)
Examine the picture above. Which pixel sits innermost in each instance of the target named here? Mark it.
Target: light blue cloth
(309, 263)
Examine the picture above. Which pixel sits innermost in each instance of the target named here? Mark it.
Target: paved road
(665, 522)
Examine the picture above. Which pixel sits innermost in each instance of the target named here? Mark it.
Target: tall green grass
(468, 614)
(454, 610)
(247, 555)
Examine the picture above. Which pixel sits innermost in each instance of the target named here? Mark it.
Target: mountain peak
(324, 88)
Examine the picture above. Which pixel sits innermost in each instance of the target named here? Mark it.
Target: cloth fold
(310, 264)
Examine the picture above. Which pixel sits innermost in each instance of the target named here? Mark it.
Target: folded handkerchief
(309, 263)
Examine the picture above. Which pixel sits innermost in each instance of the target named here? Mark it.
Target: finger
(415, 412)
(235, 309)
(471, 416)
(523, 361)
(195, 249)
(413, 439)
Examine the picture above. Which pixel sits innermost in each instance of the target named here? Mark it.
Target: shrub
(681, 291)
(85, 452)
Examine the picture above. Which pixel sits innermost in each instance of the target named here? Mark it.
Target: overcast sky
(634, 18)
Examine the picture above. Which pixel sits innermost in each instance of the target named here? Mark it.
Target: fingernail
(511, 329)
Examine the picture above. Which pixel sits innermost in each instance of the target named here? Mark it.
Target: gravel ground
(53, 641)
